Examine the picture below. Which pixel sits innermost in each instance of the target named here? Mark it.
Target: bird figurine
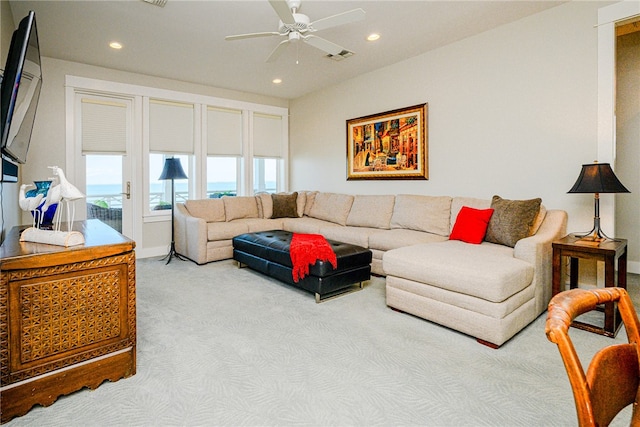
(30, 204)
(68, 194)
(53, 196)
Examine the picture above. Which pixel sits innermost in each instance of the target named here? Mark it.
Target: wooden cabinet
(67, 316)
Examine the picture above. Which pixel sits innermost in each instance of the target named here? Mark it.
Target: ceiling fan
(296, 26)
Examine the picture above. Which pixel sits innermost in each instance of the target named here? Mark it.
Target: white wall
(48, 143)
(512, 111)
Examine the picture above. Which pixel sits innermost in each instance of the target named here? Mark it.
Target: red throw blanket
(305, 250)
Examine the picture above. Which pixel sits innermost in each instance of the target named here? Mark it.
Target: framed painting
(389, 145)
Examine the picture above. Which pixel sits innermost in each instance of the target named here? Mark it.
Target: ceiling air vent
(342, 55)
(159, 3)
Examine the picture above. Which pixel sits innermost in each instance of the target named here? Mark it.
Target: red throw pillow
(471, 225)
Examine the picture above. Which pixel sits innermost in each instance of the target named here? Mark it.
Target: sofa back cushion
(265, 205)
(310, 197)
(211, 210)
(331, 207)
(371, 211)
(422, 213)
(237, 207)
(458, 202)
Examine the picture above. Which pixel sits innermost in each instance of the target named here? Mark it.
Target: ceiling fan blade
(252, 35)
(282, 9)
(275, 54)
(322, 44)
(339, 19)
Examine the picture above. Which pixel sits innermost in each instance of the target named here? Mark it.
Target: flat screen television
(20, 91)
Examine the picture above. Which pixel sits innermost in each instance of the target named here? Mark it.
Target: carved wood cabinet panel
(67, 316)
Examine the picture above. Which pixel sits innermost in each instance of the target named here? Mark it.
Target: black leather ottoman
(268, 253)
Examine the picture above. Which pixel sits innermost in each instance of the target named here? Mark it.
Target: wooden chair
(612, 378)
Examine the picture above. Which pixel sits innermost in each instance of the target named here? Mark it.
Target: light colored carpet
(218, 345)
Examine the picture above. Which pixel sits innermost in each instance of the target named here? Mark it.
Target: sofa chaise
(487, 290)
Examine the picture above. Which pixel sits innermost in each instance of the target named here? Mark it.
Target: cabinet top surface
(100, 240)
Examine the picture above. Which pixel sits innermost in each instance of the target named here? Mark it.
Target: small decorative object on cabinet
(48, 347)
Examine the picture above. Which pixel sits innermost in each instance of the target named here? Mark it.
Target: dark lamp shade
(172, 169)
(598, 178)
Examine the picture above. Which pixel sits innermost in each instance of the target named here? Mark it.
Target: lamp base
(172, 254)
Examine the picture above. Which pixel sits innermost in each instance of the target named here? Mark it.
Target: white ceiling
(184, 40)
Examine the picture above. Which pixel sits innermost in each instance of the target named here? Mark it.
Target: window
(268, 135)
(265, 175)
(171, 134)
(222, 176)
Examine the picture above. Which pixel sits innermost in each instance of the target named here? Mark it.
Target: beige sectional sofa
(488, 290)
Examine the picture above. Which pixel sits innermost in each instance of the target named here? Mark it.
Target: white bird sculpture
(53, 196)
(68, 193)
(30, 204)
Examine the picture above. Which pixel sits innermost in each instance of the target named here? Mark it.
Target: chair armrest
(190, 234)
(537, 251)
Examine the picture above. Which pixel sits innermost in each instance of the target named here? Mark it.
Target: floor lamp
(172, 170)
(597, 178)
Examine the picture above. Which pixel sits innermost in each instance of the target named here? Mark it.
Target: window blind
(267, 135)
(170, 127)
(224, 132)
(104, 126)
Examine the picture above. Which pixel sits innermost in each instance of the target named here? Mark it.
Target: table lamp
(597, 178)
(172, 170)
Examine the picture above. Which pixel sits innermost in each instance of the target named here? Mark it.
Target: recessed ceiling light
(276, 81)
(373, 37)
(115, 45)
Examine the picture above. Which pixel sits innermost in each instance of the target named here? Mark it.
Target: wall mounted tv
(20, 91)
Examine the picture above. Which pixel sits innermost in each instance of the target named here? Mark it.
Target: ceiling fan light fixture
(159, 3)
(340, 56)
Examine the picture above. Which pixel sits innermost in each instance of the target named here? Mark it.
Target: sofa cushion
(265, 205)
(371, 211)
(332, 207)
(358, 236)
(422, 213)
(210, 210)
(310, 198)
(225, 230)
(471, 225)
(385, 240)
(512, 220)
(285, 205)
(236, 207)
(486, 271)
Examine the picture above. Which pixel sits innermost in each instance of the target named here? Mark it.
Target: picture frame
(389, 145)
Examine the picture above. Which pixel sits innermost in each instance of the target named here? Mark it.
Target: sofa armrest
(537, 251)
(190, 234)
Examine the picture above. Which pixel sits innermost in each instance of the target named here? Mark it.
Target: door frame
(75, 161)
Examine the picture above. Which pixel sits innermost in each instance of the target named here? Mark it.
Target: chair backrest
(612, 378)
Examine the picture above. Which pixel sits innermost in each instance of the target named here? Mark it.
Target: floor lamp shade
(172, 170)
(597, 178)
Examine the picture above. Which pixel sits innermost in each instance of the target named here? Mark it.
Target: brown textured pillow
(512, 220)
(285, 205)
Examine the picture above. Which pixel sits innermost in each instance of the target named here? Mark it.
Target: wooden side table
(608, 251)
